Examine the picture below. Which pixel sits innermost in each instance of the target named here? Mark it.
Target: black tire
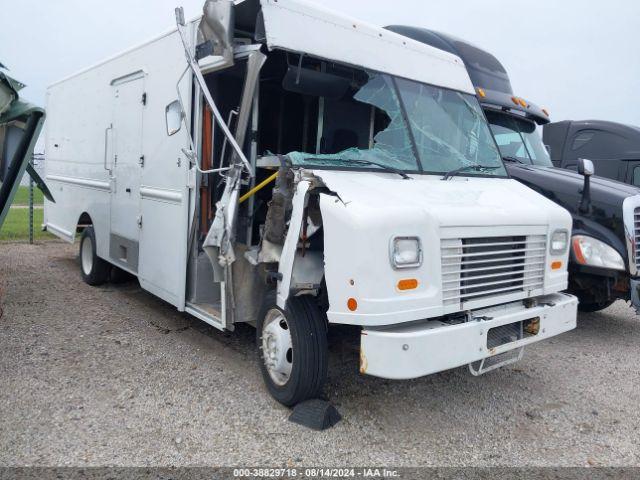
(309, 356)
(94, 270)
(594, 306)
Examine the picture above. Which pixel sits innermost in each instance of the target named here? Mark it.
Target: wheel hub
(277, 351)
(86, 257)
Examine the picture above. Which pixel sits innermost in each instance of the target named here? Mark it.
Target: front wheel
(594, 306)
(292, 346)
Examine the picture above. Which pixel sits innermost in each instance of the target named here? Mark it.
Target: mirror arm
(585, 201)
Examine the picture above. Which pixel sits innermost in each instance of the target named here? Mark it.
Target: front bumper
(422, 348)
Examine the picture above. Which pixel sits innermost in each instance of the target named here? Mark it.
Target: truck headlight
(559, 242)
(592, 252)
(406, 252)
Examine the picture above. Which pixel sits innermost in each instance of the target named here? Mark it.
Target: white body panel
(94, 117)
(298, 25)
(372, 208)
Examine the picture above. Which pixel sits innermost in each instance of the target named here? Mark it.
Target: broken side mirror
(585, 168)
(173, 114)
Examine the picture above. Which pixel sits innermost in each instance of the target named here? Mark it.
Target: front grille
(636, 235)
(479, 268)
(512, 332)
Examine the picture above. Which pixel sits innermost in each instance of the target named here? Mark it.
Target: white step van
(276, 163)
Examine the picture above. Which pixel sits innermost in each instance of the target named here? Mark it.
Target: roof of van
(309, 27)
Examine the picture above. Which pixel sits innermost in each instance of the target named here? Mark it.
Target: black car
(604, 264)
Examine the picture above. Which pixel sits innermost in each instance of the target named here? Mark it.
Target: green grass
(16, 225)
(22, 196)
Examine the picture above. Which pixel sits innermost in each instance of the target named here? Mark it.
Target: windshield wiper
(365, 162)
(477, 168)
(509, 158)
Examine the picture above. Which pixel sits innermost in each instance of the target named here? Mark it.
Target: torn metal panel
(291, 243)
(216, 28)
(308, 270)
(248, 289)
(221, 236)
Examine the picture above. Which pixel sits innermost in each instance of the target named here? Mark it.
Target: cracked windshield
(397, 124)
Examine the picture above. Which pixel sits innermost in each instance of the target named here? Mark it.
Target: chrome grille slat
(496, 290)
(499, 267)
(522, 257)
(490, 284)
(493, 275)
(494, 244)
(498, 252)
(478, 268)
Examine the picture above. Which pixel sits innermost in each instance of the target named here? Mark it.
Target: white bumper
(422, 348)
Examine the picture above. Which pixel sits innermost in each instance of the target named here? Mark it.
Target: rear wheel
(94, 270)
(293, 350)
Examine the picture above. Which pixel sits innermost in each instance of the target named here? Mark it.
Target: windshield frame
(515, 127)
(469, 99)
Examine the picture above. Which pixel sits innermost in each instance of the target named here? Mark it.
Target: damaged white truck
(276, 163)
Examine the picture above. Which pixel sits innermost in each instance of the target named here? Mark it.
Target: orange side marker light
(352, 304)
(408, 284)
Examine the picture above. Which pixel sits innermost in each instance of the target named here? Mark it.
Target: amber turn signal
(408, 284)
(556, 265)
(352, 304)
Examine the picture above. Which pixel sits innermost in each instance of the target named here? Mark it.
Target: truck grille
(636, 236)
(478, 268)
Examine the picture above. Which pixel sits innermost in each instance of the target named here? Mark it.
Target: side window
(582, 138)
(509, 142)
(636, 176)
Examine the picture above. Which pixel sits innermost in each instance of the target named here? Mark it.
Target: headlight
(406, 252)
(559, 242)
(592, 252)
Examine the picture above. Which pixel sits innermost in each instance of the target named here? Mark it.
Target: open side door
(216, 30)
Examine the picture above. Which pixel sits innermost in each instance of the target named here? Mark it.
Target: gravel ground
(114, 376)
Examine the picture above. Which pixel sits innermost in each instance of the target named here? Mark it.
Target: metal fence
(37, 161)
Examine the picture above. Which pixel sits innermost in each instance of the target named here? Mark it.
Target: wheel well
(84, 221)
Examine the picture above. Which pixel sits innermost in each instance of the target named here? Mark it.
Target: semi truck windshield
(412, 127)
(518, 139)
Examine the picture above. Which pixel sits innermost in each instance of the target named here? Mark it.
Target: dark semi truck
(614, 148)
(604, 264)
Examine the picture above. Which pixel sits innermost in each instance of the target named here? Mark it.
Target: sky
(580, 59)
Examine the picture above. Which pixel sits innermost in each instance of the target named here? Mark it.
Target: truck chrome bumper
(422, 348)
